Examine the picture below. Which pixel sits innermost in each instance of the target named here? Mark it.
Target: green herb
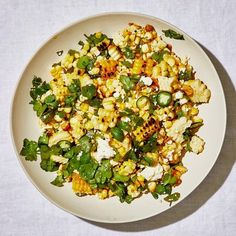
(64, 145)
(120, 178)
(74, 87)
(94, 39)
(185, 75)
(172, 198)
(43, 139)
(58, 181)
(39, 88)
(48, 165)
(158, 56)
(103, 172)
(85, 143)
(81, 43)
(124, 125)
(117, 134)
(95, 102)
(180, 113)
(89, 91)
(51, 101)
(83, 62)
(172, 34)
(127, 64)
(29, 150)
(150, 145)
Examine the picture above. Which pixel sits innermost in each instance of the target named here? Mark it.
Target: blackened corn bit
(144, 132)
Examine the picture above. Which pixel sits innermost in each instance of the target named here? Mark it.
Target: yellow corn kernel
(88, 125)
(84, 107)
(149, 67)
(137, 66)
(187, 89)
(98, 35)
(197, 119)
(86, 46)
(103, 194)
(80, 186)
(168, 124)
(194, 111)
(152, 186)
(181, 169)
(137, 40)
(156, 71)
(148, 129)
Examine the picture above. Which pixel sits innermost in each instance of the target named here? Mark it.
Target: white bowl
(25, 124)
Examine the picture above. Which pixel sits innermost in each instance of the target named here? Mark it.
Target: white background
(25, 25)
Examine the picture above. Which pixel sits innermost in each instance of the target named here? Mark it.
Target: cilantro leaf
(29, 150)
(58, 181)
(172, 34)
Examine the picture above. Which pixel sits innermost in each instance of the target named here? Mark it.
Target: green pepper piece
(124, 125)
(163, 98)
(160, 189)
(128, 53)
(117, 134)
(143, 102)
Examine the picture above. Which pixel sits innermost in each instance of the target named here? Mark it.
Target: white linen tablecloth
(209, 210)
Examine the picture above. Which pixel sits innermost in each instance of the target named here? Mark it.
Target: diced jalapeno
(163, 98)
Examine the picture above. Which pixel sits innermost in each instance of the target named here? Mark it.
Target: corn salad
(118, 116)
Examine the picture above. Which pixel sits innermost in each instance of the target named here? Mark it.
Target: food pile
(119, 115)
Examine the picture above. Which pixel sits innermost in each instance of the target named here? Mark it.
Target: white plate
(24, 121)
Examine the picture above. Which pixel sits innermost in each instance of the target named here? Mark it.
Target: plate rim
(147, 16)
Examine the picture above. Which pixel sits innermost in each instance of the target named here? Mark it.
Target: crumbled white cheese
(170, 155)
(197, 144)
(104, 150)
(144, 48)
(146, 80)
(154, 46)
(178, 95)
(116, 94)
(182, 101)
(177, 129)
(152, 173)
(165, 83)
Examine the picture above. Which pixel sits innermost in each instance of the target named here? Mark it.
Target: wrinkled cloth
(24, 26)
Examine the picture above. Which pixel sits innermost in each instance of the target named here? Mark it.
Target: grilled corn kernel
(84, 107)
(152, 186)
(80, 186)
(103, 194)
(194, 111)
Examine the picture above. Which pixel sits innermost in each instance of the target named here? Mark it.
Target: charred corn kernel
(108, 68)
(103, 194)
(181, 169)
(137, 66)
(148, 129)
(187, 89)
(114, 52)
(80, 186)
(84, 107)
(110, 193)
(152, 186)
(149, 67)
(194, 111)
